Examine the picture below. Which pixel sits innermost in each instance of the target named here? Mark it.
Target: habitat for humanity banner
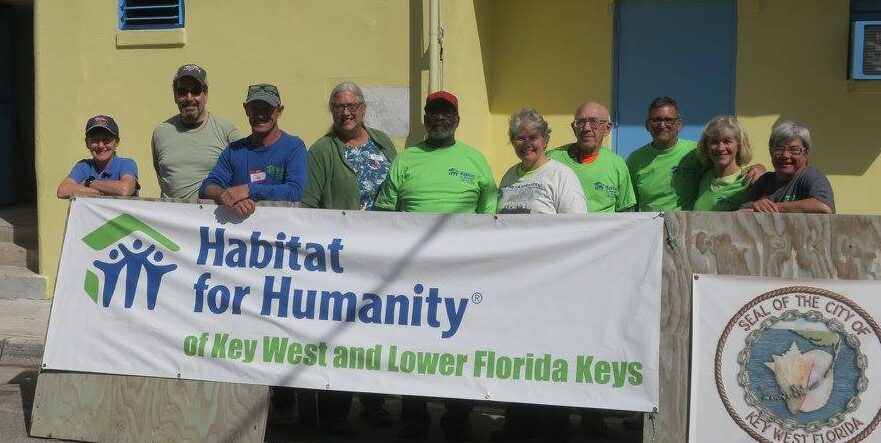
(785, 361)
(526, 308)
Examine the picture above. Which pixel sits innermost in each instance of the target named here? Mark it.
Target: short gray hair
(347, 87)
(528, 117)
(787, 129)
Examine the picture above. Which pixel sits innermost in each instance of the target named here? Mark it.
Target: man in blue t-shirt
(267, 165)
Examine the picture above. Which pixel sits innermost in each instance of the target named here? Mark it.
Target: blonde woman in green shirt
(725, 148)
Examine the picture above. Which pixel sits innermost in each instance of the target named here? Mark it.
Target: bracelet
(88, 182)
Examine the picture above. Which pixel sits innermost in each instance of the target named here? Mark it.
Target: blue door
(684, 49)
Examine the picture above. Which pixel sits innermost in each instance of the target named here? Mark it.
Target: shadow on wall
(553, 58)
(418, 64)
(17, 104)
(803, 76)
(844, 142)
(847, 146)
(483, 16)
(548, 56)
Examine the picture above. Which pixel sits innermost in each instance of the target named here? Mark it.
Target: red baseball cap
(443, 96)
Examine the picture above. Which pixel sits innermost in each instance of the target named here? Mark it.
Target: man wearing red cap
(439, 175)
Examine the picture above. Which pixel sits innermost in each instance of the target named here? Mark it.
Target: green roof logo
(133, 258)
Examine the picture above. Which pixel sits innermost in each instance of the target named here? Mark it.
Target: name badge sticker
(257, 175)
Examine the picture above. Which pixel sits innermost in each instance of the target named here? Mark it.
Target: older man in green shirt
(602, 173)
(439, 175)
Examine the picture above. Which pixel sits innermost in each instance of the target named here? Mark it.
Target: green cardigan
(332, 182)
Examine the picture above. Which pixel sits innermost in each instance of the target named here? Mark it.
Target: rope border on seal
(720, 348)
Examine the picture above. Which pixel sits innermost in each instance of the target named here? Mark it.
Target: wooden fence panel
(762, 245)
(117, 408)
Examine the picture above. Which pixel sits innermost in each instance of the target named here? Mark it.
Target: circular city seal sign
(800, 365)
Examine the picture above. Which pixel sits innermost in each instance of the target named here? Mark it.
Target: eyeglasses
(658, 122)
(340, 107)
(182, 90)
(592, 122)
(794, 150)
(527, 139)
(265, 88)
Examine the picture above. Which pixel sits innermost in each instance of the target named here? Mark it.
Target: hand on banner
(234, 194)
(244, 207)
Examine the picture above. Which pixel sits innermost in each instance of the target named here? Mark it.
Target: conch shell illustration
(805, 380)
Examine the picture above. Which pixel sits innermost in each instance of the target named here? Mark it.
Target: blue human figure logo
(111, 275)
(133, 261)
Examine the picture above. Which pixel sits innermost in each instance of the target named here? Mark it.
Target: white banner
(785, 361)
(541, 309)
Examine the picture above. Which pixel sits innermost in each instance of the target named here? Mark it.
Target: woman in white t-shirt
(538, 184)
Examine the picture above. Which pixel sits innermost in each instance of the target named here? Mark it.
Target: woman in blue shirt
(105, 173)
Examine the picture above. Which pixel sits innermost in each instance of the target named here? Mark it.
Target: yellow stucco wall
(496, 64)
(792, 60)
(499, 56)
(304, 47)
(549, 56)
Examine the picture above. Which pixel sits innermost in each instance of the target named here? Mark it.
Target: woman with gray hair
(347, 167)
(793, 186)
(537, 184)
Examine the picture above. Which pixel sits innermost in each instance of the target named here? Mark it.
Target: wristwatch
(88, 182)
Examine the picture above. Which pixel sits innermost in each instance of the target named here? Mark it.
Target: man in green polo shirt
(439, 175)
(666, 171)
(602, 173)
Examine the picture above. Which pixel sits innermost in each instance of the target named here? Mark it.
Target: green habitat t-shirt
(727, 193)
(666, 180)
(448, 180)
(606, 181)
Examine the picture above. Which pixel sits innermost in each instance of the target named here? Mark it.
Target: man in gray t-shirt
(186, 146)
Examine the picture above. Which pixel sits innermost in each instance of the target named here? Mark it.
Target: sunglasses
(340, 107)
(182, 90)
